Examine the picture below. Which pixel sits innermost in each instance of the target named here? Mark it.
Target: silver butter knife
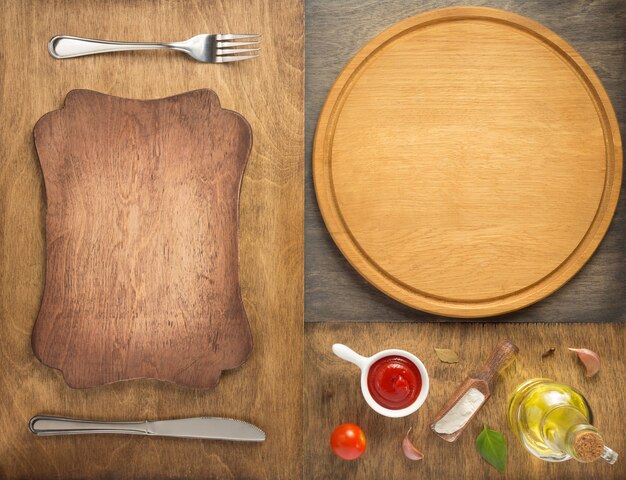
(213, 428)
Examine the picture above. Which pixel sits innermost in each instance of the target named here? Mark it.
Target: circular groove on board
(467, 162)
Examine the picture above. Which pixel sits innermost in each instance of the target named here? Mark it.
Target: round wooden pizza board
(467, 162)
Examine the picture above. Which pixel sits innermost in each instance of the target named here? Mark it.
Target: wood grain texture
(332, 396)
(142, 274)
(268, 92)
(335, 32)
(467, 162)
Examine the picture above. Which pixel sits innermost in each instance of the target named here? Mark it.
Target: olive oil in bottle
(554, 422)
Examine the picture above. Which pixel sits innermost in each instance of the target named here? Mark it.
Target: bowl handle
(349, 355)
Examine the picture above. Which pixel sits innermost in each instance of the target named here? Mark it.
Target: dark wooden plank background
(337, 30)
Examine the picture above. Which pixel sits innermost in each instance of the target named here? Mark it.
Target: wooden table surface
(335, 31)
(268, 92)
(267, 389)
(333, 396)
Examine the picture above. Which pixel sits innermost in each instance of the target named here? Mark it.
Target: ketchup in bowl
(394, 382)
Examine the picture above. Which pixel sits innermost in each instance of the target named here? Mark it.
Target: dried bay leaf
(446, 355)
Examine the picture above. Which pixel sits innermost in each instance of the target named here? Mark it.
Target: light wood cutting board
(467, 162)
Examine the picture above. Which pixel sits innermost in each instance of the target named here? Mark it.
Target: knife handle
(44, 425)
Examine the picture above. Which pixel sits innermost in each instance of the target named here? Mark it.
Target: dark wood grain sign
(142, 239)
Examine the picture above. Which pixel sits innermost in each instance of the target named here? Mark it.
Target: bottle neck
(584, 443)
(578, 438)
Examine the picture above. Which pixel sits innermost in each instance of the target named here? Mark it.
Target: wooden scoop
(459, 410)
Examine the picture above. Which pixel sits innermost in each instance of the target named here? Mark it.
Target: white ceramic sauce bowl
(364, 363)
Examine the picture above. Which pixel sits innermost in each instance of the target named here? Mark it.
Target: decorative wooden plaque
(142, 239)
(467, 162)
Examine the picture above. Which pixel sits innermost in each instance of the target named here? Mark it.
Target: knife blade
(215, 428)
(212, 428)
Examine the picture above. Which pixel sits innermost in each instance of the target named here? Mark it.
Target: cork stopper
(588, 446)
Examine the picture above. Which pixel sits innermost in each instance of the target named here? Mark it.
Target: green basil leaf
(491, 445)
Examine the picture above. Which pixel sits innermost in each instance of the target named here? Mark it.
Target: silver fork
(219, 48)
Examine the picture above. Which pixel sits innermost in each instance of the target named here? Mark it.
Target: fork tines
(229, 48)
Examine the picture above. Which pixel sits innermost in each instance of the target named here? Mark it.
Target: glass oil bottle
(554, 422)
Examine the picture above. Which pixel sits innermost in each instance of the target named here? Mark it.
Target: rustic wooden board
(335, 32)
(142, 275)
(332, 396)
(268, 92)
(467, 162)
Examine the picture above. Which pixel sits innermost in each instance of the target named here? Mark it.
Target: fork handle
(44, 425)
(63, 46)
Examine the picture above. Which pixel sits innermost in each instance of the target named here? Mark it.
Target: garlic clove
(409, 449)
(589, 359)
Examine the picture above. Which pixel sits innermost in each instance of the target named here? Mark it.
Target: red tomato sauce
(394, 382)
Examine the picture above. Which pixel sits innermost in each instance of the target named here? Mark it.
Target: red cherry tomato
(348, 441)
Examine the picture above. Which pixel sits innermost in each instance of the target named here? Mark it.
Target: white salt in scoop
(460, 413)
(472, 394)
